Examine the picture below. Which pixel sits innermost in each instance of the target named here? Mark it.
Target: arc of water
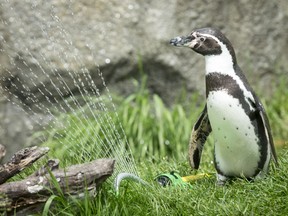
(112, 131)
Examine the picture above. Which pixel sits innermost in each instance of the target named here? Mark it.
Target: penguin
(243, 141)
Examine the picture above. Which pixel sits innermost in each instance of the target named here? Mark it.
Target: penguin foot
(221, 180)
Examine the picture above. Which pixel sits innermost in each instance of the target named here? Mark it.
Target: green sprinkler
(174, 179)
(164, 180)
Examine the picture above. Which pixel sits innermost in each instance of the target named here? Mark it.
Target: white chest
(236, 145)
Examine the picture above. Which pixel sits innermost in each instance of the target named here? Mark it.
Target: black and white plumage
(243, 140)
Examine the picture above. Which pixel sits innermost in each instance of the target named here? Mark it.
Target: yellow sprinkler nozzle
(195, 177)
(173, 178)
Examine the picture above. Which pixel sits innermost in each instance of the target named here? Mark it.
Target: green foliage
(158, 136)
(202, 197)
(277, 110)
(153, 129)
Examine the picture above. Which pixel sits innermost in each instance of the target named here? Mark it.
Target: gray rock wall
(41, 39)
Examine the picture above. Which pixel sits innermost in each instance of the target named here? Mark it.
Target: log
(38, 187)
(20, 161)
(2, 152)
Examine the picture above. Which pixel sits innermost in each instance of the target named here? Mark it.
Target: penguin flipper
(266, 124)
(262, 118)
(199, 134)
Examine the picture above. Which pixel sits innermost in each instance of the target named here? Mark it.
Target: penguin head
(205, 41)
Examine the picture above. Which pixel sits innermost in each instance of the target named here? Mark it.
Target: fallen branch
(71, 181)
(21, 160)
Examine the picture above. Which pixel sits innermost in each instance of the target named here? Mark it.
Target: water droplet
(167, 142)
(66, 65)
(107, 61)
(11, 19)
(102, 51)
(130, 7)
(57, 19)
(50, 47)
(90, 57)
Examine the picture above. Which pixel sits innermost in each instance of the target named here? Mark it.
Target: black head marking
(221, 37)
(202, 41)
(203, 44)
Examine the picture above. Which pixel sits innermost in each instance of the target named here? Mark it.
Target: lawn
(158, 137)
(202, 197)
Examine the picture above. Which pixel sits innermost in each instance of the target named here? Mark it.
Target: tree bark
(2, 152)
(48, 180)
(21, 160)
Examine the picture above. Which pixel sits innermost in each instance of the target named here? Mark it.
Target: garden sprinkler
(174, 179)
(165, 179)
(130, 176)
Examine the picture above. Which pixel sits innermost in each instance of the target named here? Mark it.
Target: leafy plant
(277, 109)
(158, 137)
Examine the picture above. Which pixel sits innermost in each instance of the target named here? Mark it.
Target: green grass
(153, 130)
(277, 110)
(203, 197)
(159, 137)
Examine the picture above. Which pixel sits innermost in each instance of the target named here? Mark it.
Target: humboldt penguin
(242, 135)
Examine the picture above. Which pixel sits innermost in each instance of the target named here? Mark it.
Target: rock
(57, 43)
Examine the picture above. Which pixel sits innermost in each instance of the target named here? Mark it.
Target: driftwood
(38, 187)
(21, 160)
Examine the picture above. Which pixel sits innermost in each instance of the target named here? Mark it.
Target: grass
(158, 137)
(203, 197)
(153, 130)
(277, 110)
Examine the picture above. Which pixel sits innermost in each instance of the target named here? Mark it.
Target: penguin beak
(182, 41)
